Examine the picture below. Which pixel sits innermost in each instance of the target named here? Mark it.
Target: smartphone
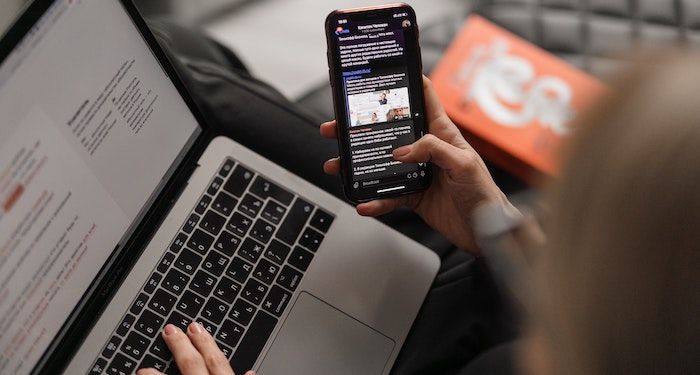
(376, 75)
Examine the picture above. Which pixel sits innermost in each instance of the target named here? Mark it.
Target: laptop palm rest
(317, 338)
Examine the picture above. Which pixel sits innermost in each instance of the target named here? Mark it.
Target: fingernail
(402, 151)
(195, 328)
(169, 329)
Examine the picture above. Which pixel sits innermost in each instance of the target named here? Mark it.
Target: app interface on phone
(381, 105)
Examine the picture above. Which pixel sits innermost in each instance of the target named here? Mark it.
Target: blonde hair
(619, 287)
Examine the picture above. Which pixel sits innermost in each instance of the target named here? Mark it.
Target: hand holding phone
(461, 181)
(375, 71)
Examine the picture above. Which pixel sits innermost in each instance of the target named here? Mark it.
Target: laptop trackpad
(317, 338)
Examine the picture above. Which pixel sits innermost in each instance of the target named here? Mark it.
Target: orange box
(514, 101)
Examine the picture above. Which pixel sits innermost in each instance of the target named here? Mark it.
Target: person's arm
(508, 242)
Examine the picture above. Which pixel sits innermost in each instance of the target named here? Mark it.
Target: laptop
(120, 213)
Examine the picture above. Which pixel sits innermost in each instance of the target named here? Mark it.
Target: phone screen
(376, 72)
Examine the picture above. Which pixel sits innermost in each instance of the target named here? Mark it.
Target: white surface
(283, 42)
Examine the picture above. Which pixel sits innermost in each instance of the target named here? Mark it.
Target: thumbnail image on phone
(376, 75)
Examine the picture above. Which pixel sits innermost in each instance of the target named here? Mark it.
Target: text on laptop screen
(89, 126)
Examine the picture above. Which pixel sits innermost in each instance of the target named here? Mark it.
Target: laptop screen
(90, 125)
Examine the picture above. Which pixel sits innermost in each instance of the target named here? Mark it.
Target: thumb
(432, 149)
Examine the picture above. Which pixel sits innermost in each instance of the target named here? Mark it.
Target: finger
(329, 129)
(188, 359)
(433, 149)
(433, 106)
(214, 358)
(148, 371)
(332, 166)
(439, 124)
(250, 373)
(384, 206)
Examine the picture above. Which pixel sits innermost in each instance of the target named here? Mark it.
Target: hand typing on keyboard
(232, 268)
(195, 352)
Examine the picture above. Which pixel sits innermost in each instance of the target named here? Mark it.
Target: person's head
(374, 117)
(618, 288)
(390, 115)
(382, 96)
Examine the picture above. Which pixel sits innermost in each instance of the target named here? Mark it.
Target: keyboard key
(227, 243)
(230, 333)
(239, 181)
(277, 251)
(289, 278)
(262, 231)
(242, 312)
(152, 282)
(212, 222)
(254, 291)
(294, 222)
(162, 302)
(276, 301)
(273, 212)
(126, 323)
(250, 250)
(225, 349)
(310, 239)
(266, 189)
(165, 262)
(211, 328)
(224, 204)
(250, 205)
(179, 320)
(300, 258)
(203, 204)
(178, 243)
(111, 347)
(215, 186)
(148, 324)
(214, 310)
(227, 289)
(266, 271)
(321, 220)
(138, 304)
(191, 223)
(188, 261)
(202, 283)
(160, 349)
(175, 282)
(135, 345)
(121, 365)
(200, 241)
(239, 224)
(190, 304)
(215, 262)
(253, 342)
(239, 270)
(99, 367)
(150, 361)
(226, 168)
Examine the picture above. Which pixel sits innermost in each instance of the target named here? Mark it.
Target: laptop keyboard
(232, 267)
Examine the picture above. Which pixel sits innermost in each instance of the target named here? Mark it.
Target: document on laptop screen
(89, 126)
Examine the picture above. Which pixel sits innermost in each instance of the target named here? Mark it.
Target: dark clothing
(463, 314)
